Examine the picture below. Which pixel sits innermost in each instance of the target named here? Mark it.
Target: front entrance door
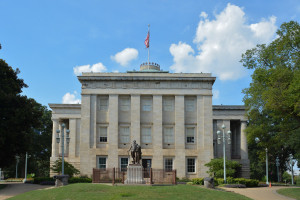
(146, 165)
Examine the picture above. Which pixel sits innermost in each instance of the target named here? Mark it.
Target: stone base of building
(135, 174)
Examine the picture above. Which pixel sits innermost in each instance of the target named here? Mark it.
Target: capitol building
(169, 114)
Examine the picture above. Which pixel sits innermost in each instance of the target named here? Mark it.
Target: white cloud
(216, 94)
(125, 56)
(69, 98)
(221, 42)
(98, 67)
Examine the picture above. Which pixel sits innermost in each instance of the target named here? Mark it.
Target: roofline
(56, 105)
(229, 107)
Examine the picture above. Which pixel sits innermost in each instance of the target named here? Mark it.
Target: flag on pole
(147, 40)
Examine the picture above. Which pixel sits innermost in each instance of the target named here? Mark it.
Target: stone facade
(170, 115)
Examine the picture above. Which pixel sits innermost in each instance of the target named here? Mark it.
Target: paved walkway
(261, 193)
(13, 189)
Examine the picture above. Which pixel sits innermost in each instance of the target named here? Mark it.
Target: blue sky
(52, 41)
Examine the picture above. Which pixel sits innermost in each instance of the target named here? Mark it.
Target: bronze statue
(136, 152)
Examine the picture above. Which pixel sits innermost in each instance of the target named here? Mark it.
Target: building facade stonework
(169, 114)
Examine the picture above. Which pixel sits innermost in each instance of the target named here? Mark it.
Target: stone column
(157, 137)
(135, 118)
(179, 134)
(85, 166)
(54, 134)
(72, 144)
(93, 135)
(113, 127)
(205, 133)
(244, 145)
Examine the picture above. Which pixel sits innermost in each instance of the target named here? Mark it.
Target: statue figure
(136, 152)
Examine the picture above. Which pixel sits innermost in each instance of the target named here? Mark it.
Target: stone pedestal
(135, 174)
(61, 180)
(209, 182)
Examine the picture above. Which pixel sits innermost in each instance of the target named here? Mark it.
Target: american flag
(147, 40)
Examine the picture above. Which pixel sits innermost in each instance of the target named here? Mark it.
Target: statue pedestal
(135, 174)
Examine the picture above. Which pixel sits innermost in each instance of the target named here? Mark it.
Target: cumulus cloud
(69, 98)
(220, 43)
(125, 56)
(98, 67)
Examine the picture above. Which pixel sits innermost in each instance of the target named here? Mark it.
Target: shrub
(216, 168)
(247, 182)
(189, 183)
(235, 186)
(14, 180)
(286, 177)
(184, 179)
(39, 180)
(79, 180)
(68, 168)
(218, 181)
(198, 181)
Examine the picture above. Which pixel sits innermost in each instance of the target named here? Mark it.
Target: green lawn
(99, 191)
(290, 192)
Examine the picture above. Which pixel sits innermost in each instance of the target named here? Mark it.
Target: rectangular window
(190, 135)
(191, 165)
(124, 164)
(147, 105)
(102, 163)
(103, 104)
(125, 104)
(168, 135)
(168, 164)
(124, 135)
(146, 135)
(190, 105)
(168, 104)
(103, 134)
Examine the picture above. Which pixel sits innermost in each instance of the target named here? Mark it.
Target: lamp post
(219, 142)
(62, 144)
(292, 162)
(17, 162)
(257, 140)
(27, 156)
(277, 165)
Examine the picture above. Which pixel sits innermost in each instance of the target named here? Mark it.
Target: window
(125, 104)
(191, 165)
(102, 163)
(190, 135)
(124, 135)
(103, 104)
(147, 105)
(168, 104)
(146, 135)
(168, 135)
(190, 105)
(168, 164)
(103, 134)
(124, 164)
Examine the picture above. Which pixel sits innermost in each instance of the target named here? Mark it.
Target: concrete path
(13, 189)
(261, 193)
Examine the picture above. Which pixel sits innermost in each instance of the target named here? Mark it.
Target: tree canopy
(273, 98)
(25, 125)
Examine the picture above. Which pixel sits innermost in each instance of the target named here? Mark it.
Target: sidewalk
(13, 189)
(260, 193)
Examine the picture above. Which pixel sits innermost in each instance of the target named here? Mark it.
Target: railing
(151, 176)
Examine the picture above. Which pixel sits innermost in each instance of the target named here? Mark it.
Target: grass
(99, 191)
(290, 192)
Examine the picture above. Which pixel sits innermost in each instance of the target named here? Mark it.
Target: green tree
(68, 168)
(216, 168)
(25, 125)
(273, 98)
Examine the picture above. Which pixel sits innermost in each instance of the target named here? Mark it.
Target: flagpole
(149, 46)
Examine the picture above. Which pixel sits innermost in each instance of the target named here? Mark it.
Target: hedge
(230, 180)
(80, 180)
(39, 180)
